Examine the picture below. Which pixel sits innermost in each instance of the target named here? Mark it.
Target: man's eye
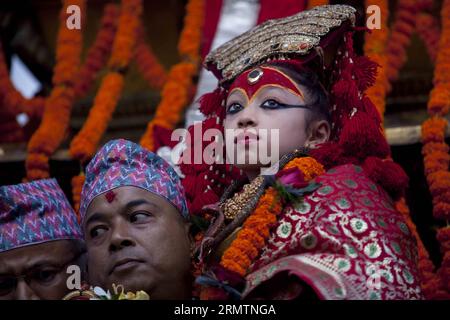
(97, 231)
(234, 108)
(6, 285)
(271, 104)
(139, 217)
(45, 275)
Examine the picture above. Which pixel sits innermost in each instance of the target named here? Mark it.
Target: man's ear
(319, 132)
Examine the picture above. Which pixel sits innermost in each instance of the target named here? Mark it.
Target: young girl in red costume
(324, 226)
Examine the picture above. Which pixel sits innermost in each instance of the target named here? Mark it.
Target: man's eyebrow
(138, 202)
(44, 263)
(95, 217)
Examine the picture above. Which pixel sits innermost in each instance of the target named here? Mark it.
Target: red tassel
(361, 137)
(189, 184)
(211, 102)
(202, 199)
(365, 71)
(387, 174)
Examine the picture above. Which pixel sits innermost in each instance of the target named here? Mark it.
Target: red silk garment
(345, 241)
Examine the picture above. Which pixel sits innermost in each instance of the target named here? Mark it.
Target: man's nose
(121, 237)
(24, 292)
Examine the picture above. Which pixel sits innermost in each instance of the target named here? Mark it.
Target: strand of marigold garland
(429, 281)
(256, 229)
(435, 150)
(175, 94)
(77, 185)
(401, 32)
(428, 29)
(85, 143)
(375, 48)
(315, 3)
(58, 105)
(147, 63)
(14, 103)
(99, 52)
(12, 100)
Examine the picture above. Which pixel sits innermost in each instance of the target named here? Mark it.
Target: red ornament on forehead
(110, 195)
(251, 81)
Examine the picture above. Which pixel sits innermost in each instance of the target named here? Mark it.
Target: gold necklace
(231, 207)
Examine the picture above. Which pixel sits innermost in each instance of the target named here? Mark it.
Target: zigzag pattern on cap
(124, 163)
(35, 212)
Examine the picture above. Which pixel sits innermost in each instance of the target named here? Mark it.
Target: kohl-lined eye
(234, 108)
(271, 104)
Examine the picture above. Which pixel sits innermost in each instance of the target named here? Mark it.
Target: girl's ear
(319, 132)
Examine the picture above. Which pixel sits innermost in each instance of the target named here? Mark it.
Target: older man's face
(139, 240)
(37, 271)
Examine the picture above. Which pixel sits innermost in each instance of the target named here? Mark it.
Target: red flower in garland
(292, 176)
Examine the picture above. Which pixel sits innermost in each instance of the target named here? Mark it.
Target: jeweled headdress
(289, 38)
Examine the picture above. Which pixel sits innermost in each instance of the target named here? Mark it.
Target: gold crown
(277, 39)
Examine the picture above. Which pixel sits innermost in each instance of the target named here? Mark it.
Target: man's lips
(125, 263)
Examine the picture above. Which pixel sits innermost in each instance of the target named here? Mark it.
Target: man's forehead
(108, 204)
(23, 258)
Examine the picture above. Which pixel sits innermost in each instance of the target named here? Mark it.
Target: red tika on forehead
(110, 196)
(252, 80)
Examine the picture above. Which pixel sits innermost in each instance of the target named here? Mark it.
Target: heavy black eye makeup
(270, 104)
(234, 107)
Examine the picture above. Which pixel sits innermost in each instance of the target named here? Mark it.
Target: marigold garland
(429, 281)
(98, 53)
(77, 186)
(147, 63)
(402, 30)
(12, 100)
(85, 143)
(256, 229)
(125, 40)
(176, 91)
(435, 150)
(58, 105)
(428, 29)
(375, 48)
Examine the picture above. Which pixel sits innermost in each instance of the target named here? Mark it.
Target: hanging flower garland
(14, 103)
(98, 53)
(12, 100)
(85, 143)
(428, 29)
(77, 186)
(402, 30)
(58, 105)
(256, 229)
(147, 63)
(176, 93)
(289, 185)
(435, 150)
(429, 281)
(375, 48)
